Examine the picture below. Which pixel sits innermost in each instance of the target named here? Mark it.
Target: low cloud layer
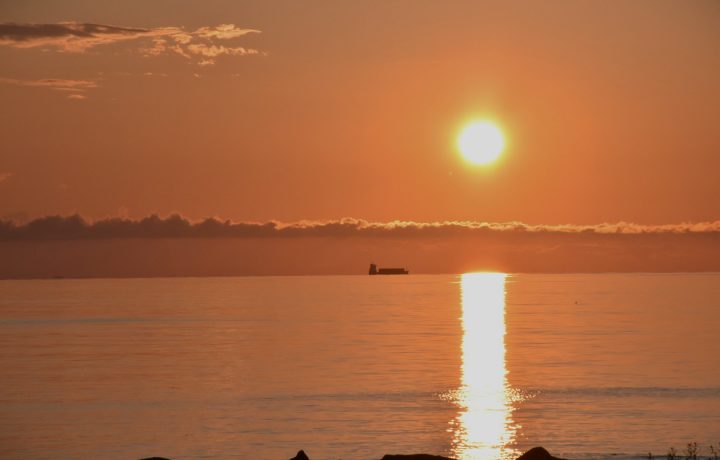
(176, 226)
(174, 246)
(202, 46)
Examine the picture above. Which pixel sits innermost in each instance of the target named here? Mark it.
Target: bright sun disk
(481, 142)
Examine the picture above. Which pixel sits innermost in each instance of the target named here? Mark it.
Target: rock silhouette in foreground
(537, 453)
(415, 457)
(301, 455)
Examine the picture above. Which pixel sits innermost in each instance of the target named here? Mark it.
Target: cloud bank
(72, 247)
(176, 226)
(202, 46)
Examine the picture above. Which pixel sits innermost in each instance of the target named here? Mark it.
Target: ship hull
(387, 271)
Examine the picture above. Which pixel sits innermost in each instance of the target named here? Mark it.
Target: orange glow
(239, 113)
(481, 142)
(485, 423)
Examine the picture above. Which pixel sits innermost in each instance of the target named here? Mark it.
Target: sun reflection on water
(484, 428)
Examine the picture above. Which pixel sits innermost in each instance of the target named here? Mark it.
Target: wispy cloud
(76, 88)
(200, 45)
(223, 32)
(54, 83)
(202, 49)
(72, 37)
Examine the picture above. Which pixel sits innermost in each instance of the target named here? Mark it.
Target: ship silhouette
(386, 271)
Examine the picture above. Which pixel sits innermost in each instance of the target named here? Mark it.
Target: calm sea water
(476, 366)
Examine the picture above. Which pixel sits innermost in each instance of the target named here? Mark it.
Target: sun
(481, 142)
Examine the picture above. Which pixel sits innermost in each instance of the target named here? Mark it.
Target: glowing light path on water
(484, 427)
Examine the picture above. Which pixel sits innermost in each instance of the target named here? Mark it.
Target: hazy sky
(290, 110)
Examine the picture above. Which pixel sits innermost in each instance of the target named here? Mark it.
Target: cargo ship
(386, 271)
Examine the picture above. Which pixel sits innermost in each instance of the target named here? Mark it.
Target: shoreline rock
(536, 453)
(301, 455)
(415, 457)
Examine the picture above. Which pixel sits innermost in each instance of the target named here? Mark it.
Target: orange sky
(351, 108)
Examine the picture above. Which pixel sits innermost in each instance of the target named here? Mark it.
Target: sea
(474, 366)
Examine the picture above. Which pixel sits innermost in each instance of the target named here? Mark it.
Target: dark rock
(155, 458)
(537, 453)
(415, 457)
(300, 456)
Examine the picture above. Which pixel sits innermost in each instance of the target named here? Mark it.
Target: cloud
(74, 37)
(54, 83)
(208, 53)
(175, 246)
(76, 88)
(215, 51)
(176, 226)
(223, 32)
